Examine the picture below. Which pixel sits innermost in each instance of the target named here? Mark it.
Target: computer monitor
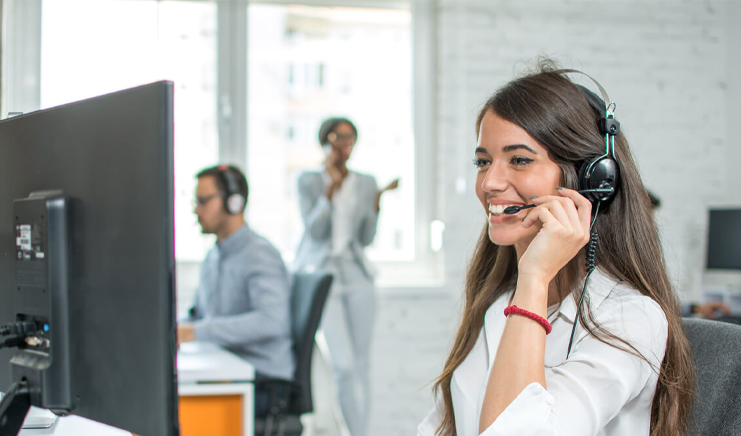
(87, 257)
(724, 239)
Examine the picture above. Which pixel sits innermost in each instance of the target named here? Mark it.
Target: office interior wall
(672, 68)
(733, 108)
(715, 280)
(665, 68)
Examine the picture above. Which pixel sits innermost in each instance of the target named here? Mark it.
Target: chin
(500, 236)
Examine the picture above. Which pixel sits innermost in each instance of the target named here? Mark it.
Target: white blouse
(598, 390)
(344, 204)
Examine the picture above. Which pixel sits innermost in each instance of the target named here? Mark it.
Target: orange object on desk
(211, 415)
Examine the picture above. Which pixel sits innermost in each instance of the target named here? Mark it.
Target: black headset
(600, 176)
(234, 201)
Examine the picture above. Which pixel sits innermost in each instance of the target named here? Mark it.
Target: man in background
(243, 298)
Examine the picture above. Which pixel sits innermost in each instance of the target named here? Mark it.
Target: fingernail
(533, 197)
(560, 188)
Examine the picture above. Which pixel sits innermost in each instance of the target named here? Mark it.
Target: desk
(210, 380)
(71, 426)
(214, 383)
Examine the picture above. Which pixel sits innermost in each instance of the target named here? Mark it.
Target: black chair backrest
(716, 351)
(307, 303)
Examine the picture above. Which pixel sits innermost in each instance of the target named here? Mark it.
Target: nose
(494, 180)
(197, 207)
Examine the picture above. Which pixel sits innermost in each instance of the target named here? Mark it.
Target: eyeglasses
(202, 200)
(335, 137)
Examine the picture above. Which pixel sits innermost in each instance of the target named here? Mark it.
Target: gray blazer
(316, 212)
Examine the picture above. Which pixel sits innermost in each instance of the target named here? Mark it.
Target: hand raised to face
(564, 230)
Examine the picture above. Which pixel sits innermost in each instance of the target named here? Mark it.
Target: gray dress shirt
(243, 303)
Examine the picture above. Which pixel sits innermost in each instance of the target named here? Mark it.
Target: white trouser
(347, 323)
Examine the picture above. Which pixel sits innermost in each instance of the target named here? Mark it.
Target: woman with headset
(340, 210)
(531, 356)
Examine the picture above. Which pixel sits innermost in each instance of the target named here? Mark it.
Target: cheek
(214, 211)
(478, 187)
(528, 186)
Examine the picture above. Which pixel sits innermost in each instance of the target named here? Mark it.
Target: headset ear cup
(599, 173)
(234, 204)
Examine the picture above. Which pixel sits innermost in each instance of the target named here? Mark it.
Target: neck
(231, 225)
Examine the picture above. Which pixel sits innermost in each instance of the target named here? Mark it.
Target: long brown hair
(551, 108)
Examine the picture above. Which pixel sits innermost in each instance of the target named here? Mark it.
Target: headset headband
(608, 125)
(609, 106)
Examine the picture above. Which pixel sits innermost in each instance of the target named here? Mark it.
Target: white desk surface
(71, 426)
(197, 362)
(200, 362)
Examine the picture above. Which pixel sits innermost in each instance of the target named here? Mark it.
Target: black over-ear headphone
(234, 202)
(600, 177)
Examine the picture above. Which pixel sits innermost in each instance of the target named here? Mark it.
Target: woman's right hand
(564, 231)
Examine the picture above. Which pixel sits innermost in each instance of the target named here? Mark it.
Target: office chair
(716, 351)
(290, 399)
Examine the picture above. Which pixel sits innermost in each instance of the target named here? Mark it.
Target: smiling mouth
(498, 209)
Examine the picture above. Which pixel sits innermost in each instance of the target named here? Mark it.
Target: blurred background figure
(340, 211)
(243, 297)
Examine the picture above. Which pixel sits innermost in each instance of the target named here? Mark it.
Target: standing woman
(530, 357)
(340, 209)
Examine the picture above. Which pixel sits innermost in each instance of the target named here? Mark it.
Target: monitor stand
(14, 407)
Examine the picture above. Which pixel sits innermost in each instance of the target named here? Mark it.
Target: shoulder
(625, 296)
(258, 250)
(632, 315)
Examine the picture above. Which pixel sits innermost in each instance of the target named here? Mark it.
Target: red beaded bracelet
(527, 314)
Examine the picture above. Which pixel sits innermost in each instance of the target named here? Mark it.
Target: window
(306, 63)
(118, 44)
(253, 82)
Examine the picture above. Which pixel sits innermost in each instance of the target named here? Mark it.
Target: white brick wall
(413, 334)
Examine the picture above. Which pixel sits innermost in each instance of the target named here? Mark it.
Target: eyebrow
(508, 148)
(513, 147)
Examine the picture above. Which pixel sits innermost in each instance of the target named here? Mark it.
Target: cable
(19, 328)
(13, 342)
(591, 253)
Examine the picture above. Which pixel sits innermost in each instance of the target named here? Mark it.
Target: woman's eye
(480, 163)
(520, 160)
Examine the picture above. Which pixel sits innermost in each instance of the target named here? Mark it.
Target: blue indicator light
(46, 327)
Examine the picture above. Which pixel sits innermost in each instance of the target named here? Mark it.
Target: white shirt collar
(599, 287)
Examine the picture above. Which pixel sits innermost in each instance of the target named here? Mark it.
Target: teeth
(498, 209)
